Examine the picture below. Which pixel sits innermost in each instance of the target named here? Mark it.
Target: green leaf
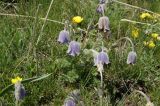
(40, 78)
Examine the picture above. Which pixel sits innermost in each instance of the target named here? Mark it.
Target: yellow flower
(77, 19)
(135, 33)
(146, 15)
(151, 44)
(15, 80)
(154, 35)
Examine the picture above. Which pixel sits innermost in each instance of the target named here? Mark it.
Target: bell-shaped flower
(74, 48)
(131, 59)
(63, 37)
(19, 91)
(69, 102)
(103, 23)
(73, 98)
(102, 58)
(100, 8)
(75, 94)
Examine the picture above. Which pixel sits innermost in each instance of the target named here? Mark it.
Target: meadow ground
(29, 48)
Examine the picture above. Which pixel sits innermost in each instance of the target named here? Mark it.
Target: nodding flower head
(73, 98)
(69, 102)
(19, 91)
(100, 8)
(103, 23)
(101, 58)
(63, 37)
(74, 48)
(131, 59)
(102, 1)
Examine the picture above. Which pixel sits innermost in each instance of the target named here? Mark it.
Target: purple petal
(102, 1)
(20, 92)
(100, 8)
(103, 23)
(69, 102)
(74, 48)
(102, 57)
(63, 37)
(131, 59)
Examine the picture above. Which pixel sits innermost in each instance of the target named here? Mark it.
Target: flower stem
(102, 10)
(101, 89)
(102, 46)
(135, 22)
(101, 85)
(136, 7)
(66, 25)
(16, 103)
(145, 96)
(127, 38)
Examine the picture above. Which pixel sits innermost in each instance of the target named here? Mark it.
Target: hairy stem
(127, 38)
(136, 7)
(101, 85)
(143, 94)
(135, 22)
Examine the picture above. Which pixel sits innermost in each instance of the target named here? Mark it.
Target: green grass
(20, 56)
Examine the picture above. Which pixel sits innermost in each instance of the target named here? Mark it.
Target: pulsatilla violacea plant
(19, 91)
(102, 58)
(73, 99)
(74, 48)
(103, 23)
(149, 103)
(132, 55)
(69, 102)
(102, 1)
(64, 37)
(100, 8)
(131, 59)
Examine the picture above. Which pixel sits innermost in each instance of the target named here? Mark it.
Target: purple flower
(103, 23)
(19, 91)
(63, 37)
(101, 8)
(101, 58)
(69, 102)
(102, 1)
(74, 48)
(73, 98)
(131, 59)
